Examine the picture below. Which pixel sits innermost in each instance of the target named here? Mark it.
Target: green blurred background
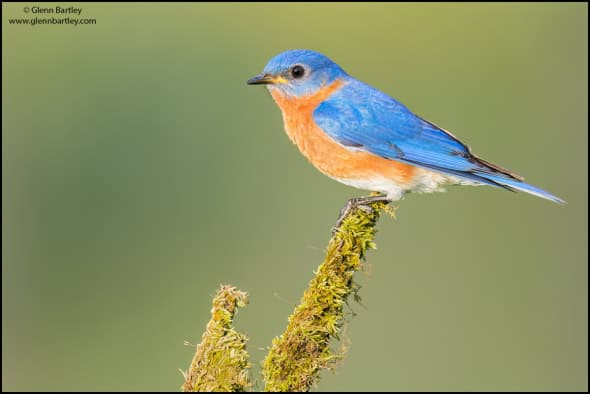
(140, 172)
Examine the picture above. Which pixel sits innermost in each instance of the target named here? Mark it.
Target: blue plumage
(361, 117)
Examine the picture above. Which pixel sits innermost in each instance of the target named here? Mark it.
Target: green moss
(297, 356)
(221, 361)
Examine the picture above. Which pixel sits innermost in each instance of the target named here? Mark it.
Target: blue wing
(360, 117)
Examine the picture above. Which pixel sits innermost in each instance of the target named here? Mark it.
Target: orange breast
(326, 154)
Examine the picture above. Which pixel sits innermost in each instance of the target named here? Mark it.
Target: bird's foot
(361, 203)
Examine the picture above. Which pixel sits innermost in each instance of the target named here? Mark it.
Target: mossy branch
(296, 357)
(221, 361)
(303, 350)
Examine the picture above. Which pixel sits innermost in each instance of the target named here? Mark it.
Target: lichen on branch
(303, 350)
(221, 360)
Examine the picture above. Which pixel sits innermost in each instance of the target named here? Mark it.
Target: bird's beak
(265, 79)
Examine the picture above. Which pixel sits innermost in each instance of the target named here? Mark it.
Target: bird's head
(298, 73)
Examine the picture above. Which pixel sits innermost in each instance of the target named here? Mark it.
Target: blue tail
(525, 187)
(507, 179)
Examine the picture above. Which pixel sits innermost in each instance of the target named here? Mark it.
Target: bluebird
(363, 138)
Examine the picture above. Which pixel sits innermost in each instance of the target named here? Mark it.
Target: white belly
(425, 181)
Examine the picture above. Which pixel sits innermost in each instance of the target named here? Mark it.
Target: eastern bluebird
(361, 137)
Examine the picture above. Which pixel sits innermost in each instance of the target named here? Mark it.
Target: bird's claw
(360, 203)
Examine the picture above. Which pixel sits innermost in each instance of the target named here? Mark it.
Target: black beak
(261, 79)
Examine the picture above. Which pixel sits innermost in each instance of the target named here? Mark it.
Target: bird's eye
(297, 71)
